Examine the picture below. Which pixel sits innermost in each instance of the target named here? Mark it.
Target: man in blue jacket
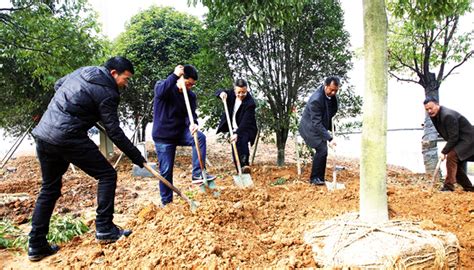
(171, 126)
(315, 123)
(242, 115)
(82, 98)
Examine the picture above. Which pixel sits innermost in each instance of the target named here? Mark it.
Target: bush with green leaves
(64, 228)
(61, 229)
(11, 237)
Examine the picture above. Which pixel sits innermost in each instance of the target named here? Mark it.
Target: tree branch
(448, 35)
(466, 57)
(399, 60)
(401, 79)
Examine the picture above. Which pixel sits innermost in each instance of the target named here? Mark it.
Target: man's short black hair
(190, 72)
(240, 83)
(331, 79)
(119, 63)
(430, 99)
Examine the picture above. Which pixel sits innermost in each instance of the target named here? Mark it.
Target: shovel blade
(244, 180)
(334, 185)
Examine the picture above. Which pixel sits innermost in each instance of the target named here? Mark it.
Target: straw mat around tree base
(348, 243)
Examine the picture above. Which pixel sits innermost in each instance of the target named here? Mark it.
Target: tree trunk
(281, 137)
(373, 163)
(143, 137)
(428, 144)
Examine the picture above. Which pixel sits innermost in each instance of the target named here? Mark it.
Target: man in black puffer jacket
(82, 98)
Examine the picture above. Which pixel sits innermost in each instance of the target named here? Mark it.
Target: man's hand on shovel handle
(193, 128)
(223, 95)
(332, 144)
(233, 138)
(179, 70)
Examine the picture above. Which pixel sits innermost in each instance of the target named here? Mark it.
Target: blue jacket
(82, 98)
(170, 117)
(317, 118)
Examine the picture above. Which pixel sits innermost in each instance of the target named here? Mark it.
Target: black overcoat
(317, 118)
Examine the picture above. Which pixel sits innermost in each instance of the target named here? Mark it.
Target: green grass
(279, 181)
(191, 193)
(61, 229)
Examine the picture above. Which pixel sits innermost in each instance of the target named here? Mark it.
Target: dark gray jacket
(317, 118)
(456, 130)
(82, 98)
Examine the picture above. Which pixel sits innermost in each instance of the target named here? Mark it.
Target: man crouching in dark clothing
(82, 98)
(459, 148)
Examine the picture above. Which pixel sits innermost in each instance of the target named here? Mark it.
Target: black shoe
(38, 253)
(246, 169)
(112, 235)
(316, 181)
(447, 187)
(469, 189)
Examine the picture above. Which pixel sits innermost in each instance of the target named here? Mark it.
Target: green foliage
(64, 228)
(61, 229)
(280, 181)
(12, 237)
(283, 62)
(191, 194)
(256, 15)
(424, 36)
(156, 40)
(42, 41)
(214, 74)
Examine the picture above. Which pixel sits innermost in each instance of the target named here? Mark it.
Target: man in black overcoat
(315, 123)
(459, 136)
(242, 115)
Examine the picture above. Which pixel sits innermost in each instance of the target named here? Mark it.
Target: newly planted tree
(373, 163)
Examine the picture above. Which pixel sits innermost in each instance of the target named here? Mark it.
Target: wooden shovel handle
(167, 183)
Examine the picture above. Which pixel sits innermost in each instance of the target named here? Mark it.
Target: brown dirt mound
(259, 227)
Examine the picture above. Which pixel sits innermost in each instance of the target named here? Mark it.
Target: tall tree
(155, 40)
(373, 163)
(425, 47)
(41, 41)
(284, 62)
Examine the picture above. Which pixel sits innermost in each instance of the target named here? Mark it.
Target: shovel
(335, 168)
(193, 205)
(438, 165)
(241, 180)
(206, 185)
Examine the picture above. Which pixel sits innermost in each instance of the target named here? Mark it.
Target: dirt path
(260, 227)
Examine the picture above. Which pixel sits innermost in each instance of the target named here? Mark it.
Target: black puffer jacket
(82, 98)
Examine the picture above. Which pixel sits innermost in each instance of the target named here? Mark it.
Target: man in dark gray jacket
(82, 98)
(315, 123)
(459, 148)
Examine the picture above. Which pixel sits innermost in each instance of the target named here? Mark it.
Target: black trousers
(54, 161)
(243, 151)
(319, 161)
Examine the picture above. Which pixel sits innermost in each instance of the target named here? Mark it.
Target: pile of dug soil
(258, 227)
